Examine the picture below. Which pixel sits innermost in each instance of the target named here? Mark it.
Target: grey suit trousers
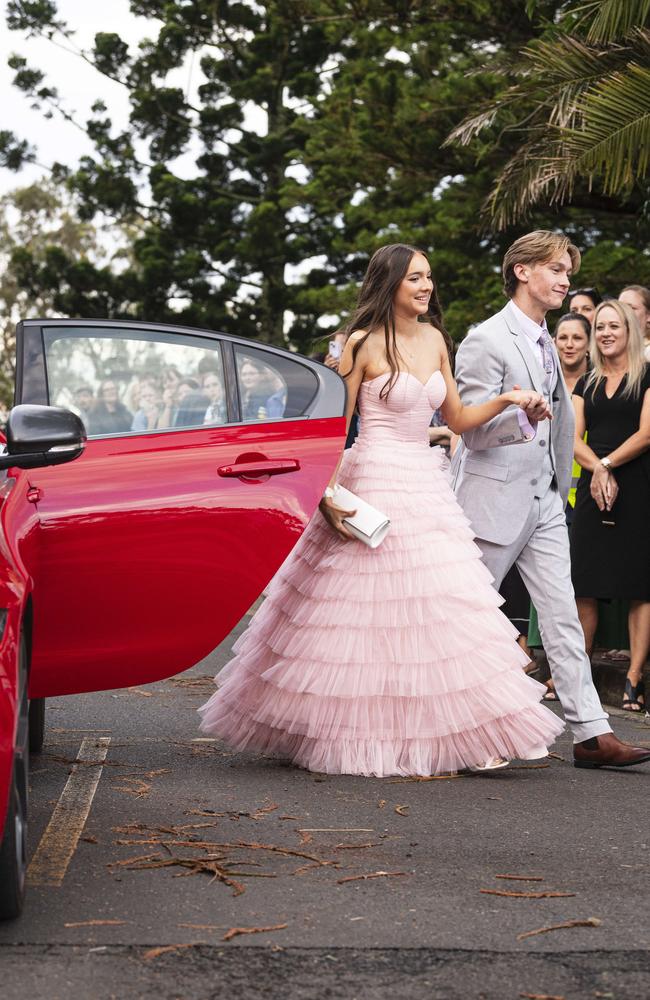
(541, 552)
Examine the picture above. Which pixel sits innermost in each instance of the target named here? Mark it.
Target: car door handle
(253, 470)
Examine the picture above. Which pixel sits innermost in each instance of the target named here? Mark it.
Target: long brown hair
(374, 311)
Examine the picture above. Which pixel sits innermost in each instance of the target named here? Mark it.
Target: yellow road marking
(59, 842)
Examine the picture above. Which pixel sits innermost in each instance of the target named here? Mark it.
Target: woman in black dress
(610, 540)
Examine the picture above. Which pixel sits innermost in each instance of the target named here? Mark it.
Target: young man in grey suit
(512, 475)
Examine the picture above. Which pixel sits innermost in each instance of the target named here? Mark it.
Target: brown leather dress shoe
(608, 751)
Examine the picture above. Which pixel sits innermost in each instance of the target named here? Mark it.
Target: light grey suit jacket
(495, 470)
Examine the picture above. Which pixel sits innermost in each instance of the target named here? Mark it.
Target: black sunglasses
(584, 291)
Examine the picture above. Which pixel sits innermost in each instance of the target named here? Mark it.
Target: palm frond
(473, 125)
(614, 140)
(612, 20)
(568, 67)
(553, 74)
(538, 171)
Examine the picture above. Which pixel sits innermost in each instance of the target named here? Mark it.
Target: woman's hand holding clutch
(335, 515)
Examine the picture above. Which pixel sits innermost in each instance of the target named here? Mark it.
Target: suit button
(533, 482)
(542, 444)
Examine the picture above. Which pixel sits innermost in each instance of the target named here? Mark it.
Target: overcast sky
(78, 84)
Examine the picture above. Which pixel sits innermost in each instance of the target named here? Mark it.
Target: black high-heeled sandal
(631, 696)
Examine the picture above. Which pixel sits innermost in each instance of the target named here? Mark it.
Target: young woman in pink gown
(364, 661)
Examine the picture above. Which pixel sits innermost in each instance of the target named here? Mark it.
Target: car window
(135, 382)
(272, 385)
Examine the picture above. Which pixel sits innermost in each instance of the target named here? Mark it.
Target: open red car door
(206, 457)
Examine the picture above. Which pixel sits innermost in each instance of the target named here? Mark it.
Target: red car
(198, 460)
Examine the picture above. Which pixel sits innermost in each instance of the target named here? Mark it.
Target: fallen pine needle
(200, 927)
(265, 809)
(546, 894)
(523, 878)
(196, 866)
(425, 777)
(402, 810)
(357, 878)
(541, 996)
(130, 861)
(589, 922)
(156, 952)
(96, 923)
(234, 931)
(527, 767)
(334, 829)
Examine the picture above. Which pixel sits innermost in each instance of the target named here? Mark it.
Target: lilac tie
(545, 343)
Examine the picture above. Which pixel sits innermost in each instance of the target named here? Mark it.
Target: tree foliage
(311, 132)
(48, 262)
(580, 106)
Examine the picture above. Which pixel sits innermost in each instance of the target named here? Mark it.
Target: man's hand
(538, 409)
(532, 403)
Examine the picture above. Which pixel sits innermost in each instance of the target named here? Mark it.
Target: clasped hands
(532, 403)
(604, 488)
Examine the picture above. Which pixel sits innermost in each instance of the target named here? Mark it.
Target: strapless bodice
(406, 414)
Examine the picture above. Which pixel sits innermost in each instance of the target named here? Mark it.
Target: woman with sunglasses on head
(584, 302)
(364, 660)
(610, 541)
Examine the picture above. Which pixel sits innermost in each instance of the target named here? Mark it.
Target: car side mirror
(42, 435)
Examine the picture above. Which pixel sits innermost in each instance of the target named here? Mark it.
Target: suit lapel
(527, 351)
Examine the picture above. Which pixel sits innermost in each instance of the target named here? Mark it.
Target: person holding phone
(610, 541)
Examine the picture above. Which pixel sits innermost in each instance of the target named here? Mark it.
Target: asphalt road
(372, 888)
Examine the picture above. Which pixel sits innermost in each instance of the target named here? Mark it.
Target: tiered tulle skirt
(389, 661)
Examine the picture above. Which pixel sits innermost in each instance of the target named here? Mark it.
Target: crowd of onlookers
(149, 402)
(171, 399)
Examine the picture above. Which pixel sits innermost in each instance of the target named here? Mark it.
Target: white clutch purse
(369, 525)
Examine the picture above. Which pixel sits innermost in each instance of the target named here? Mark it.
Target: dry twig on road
(589, 922)
(156, 952)
(360, 878)
(523, 878)
(546, 894)
(235, 931)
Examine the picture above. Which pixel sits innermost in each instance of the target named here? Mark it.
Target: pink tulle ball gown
(387, 661)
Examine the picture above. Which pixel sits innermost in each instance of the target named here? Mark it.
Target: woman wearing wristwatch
(610, 541)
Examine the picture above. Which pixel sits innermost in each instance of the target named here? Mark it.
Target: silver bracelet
(328, 493)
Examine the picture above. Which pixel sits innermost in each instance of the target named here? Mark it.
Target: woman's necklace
(402, 349)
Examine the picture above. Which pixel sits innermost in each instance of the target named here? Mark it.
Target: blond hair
(538, 247)
(635, 359)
